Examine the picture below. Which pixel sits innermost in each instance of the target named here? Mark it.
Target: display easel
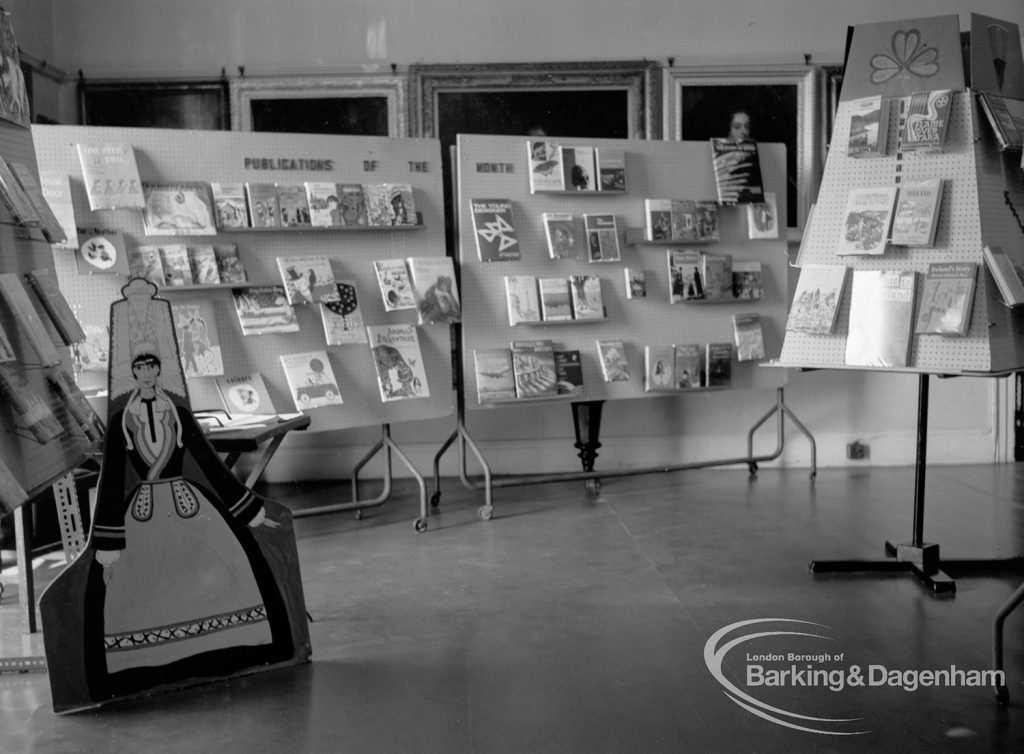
(496, 166)
(207, 156)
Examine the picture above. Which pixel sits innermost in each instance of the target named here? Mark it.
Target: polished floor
(583, 622)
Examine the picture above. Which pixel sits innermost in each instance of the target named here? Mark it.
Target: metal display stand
(496, 166)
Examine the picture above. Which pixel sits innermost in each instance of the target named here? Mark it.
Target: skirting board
(300, 463)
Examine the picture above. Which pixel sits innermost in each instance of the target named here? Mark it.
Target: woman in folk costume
(180, 588)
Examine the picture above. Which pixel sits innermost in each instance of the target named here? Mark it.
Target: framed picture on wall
(779, 104)
(191, 104)
(356, 105)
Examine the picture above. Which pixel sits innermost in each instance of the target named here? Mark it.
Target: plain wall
(128, 38)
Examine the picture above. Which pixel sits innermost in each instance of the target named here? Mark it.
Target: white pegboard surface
(496, 167)
(967, 185)
(35, 465)
(209, 156)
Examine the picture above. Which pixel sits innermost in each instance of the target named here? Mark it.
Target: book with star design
(494, 229)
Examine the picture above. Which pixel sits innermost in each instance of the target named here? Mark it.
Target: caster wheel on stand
(421, 524)
(486, 512)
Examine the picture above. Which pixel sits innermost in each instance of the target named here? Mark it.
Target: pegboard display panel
(495, 167)
(34, 464)
(208, 156)
(959, 237)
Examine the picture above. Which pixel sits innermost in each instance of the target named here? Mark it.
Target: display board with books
(281, 254)
(893, 262)
(567, 294)
(46, 424)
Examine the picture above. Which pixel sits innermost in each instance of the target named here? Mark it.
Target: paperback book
(202, 260)
(869, 126)
(324, 205)
(555, 299)
(401, 374)
(434, 289)
(718, 365)
(763, 218)
(177, 270)
(77, 404)
(1006, 118)
(586, 297)
(867, 220)
(293, 205)
(659, 368)
(101, 252)
(16, 199)
(686, 281)
(563, 235)
(264, 309)
(881, 318)
(916, 216)
(229, 263)
(611, 168)
(402, 204)
(658, 219)
(602, 238)
(568, 373)
(927, 120)
(261, 199)
(578, 169)
(716, 271)
(688, 369)
(748, 334)
(819, 291)
(494, 230)
(545, 159)
(694, 221)
(378, 205)
(352, 202)
(110, 175)
(92, 354)
(51, 227)
(737, 168)
(311, 380)
(522, 299)
(44, 284)
(747, 281)
(533, 365)
(1008, 275)
(230, 206)
(56, 188)
(198, 339)
(342, 317)
(612, 357)
(33, 412)
(306, 279)
(244, 394)
(947, 297)
(636, 282)
(178, 209)
(495, 380)
(393, 281)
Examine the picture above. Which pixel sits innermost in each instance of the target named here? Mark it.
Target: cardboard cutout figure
(188, 576)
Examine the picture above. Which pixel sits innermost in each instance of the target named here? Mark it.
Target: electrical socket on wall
(857, 451)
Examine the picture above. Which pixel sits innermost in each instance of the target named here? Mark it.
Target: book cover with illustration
(611, 168)
(434, 289)
(816, 299)
(393, 281)
(927, 120)
(602, 235)
(578, 169)
(636, 282)
(198, 339)
(203, 262)
(244, 394)
(1006, 118)
(763, 218)
(658, 219)
(178, 209)
(563, 235)
(555, 299)
(686, 280)
(306, 279)
(869, 127)
(586, 297)
(495, 380)
(43, 282)
(50, 225)
(533, 365)
(494, 230)
(145, 262)
(659, 368)
(568, 373)
(688, 366)
(398, 360)
(17, 201)
(947, 298)
(261, 198)
(93, 353)
(324, 204)
(716, 271)
(612, 357)
(352, 202)
(229, 263)
(263, 310)
(881, 318)
(102, 252)
(747, 280)
(868, 216)
(545, 161)
(718, 365)
(293, 205)
(177, 270)
(737, 169)
(311, 380)
(748, 334)
(229, 205)
(110, 175)
(342, 317)
(56, 188)
(378, 205)
(402, 201)
(916, 216)
(522, 299)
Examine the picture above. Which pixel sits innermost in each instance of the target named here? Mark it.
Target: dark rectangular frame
(192, 103)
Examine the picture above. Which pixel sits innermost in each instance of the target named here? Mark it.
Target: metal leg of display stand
(388, 446)
(917, 556)
(486, 511)
(781, 410)
(586, 423)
